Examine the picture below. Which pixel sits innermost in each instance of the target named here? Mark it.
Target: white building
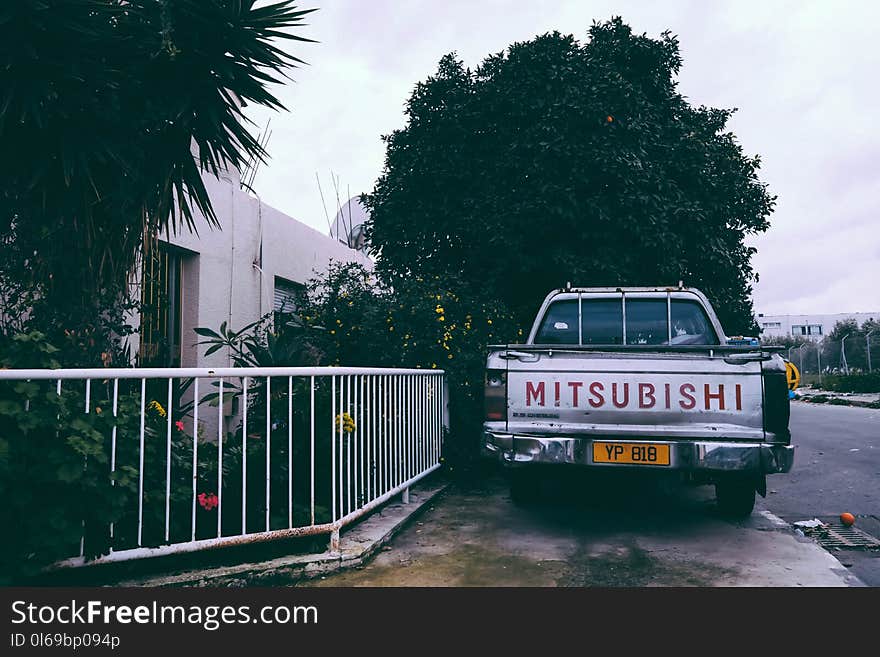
(812, 327)
(259, 261)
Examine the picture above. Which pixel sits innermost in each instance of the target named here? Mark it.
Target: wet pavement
(591, 533)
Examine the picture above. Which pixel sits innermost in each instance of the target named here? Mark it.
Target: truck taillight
(776, 404)
(496, 395)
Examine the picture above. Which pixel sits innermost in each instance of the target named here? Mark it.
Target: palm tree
(102, 105)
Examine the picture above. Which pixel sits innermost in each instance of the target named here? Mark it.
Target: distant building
(812, 327)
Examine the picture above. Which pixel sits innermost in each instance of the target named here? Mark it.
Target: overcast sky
(803, 75)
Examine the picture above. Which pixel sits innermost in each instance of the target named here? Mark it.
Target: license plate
(631, 453)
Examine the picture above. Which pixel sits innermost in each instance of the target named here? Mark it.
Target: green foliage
(857, 343)
(102, 102)
(350, 317)
(558, 161)
(60, 486)
(843, 328)
(867, 382)
(54, 466)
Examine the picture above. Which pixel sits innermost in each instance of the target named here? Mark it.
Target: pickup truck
(638, 379)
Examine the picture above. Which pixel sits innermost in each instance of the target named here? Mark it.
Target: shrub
(867, 382)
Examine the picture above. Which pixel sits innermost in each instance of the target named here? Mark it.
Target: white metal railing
(331, 443)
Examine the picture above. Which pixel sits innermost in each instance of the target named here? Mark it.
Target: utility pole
(868, 347)
(819, 360)
(801, 357)
(843, 363)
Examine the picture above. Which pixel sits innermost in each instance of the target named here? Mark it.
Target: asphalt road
(836, 469)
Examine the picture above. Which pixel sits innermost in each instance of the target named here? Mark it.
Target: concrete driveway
(629, 534)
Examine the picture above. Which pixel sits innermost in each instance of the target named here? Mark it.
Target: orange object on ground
(847, 519)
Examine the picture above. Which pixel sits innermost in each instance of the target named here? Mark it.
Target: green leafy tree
(102, 105)
(560, 161)
(843, 328)
(856, 357)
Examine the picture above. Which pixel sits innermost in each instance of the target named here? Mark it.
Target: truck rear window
(690, 324)
(602, 321)
(560, 325)
(647, 322)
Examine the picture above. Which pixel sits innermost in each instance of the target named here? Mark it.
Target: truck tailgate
(663, 395)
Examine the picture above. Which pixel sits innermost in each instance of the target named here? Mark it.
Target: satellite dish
(348, 227)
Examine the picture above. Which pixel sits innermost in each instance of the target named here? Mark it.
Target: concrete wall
(229, 273)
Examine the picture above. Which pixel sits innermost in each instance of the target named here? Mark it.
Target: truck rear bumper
(684, 455)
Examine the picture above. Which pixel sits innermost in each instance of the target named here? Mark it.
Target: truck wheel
(523, 487)
(735, 499)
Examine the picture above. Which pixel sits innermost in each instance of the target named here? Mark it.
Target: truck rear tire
(523, 487)
(736, 498)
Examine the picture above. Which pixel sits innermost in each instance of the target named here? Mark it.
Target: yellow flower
(488, 321)
(441, 318)
(348, 425)
(390, 328)
(156, 406)
(449, 356)
(332, 332)
(439, 310)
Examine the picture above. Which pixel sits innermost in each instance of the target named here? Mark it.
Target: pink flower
(179, 425)
(208, 501)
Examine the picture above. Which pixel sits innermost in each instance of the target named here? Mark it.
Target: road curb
(840, 401)
(356, 546)
(834, 565)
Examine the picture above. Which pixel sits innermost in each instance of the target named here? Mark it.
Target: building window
(772, 325)
(814, 329)
(288, 300)
(798, 330)
(160, 306)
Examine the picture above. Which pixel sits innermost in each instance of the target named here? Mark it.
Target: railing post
(334, 541)
(404, 496)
